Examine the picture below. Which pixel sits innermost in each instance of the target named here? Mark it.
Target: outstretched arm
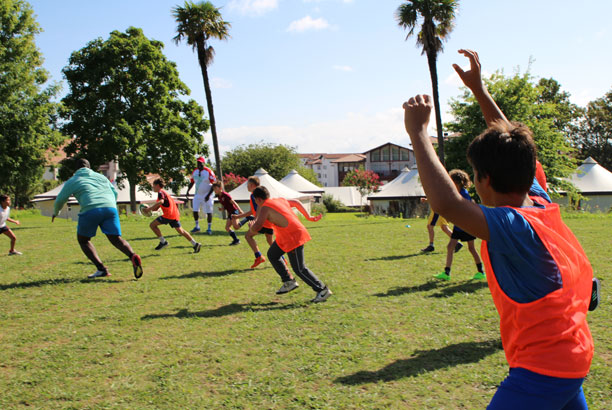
(441, 192)
(262, 216)
(298, 205)
(473, 80)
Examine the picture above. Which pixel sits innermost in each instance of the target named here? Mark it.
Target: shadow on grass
(199, 274)
(226, 310)
(396, 257)
(466, 287)
(126, 260)
(350, 224)
(424, 287)
(50, 282)
(423, 361)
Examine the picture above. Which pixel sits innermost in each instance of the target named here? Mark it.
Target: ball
(144, 211)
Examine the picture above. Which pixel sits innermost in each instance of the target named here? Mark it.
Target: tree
(308, 174)
(593, 136)
(541, 106)
(278, 160)
(231, 181)
(27, 115)
(197, 24)
(365, 181)
(124, 104)
(437, 17)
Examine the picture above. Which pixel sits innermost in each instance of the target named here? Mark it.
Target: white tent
(595, 183)
(401, 196)
(298, 183)
(348, 195)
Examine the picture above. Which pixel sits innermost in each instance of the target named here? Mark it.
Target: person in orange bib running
(291, 236)
(170, 216)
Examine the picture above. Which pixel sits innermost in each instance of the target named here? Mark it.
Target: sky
(331, 75)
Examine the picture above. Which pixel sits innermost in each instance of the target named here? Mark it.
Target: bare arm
(236, 205)
(244, 214)
(298, 205)
(189, 188)
(262, 216)
(473, 80)
(439, 188)
(16, 222)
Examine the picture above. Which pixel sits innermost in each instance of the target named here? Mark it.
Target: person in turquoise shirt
(98, 200)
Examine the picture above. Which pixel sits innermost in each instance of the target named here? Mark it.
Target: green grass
(205, 332)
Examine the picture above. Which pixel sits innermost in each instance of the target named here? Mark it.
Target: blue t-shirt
(523, 267)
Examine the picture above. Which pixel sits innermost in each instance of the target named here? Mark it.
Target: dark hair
(506, 154)
(254, 180)
(460, 177)
(216, 184)
(261, 192)
(82, 163)
(3, 198)
(159, 182)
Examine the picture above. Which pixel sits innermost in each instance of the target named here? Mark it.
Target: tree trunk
(211, 114)
(133, 185)
(433, 72)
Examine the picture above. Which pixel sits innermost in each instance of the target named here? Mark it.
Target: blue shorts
(106, 218)
(526, 390)
(165, 221)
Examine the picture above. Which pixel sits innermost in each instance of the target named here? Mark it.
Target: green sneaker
(480, 276)
(442, 275)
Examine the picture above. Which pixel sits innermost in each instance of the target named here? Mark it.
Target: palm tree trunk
(132, 183)
(211, 113)
(433, 72)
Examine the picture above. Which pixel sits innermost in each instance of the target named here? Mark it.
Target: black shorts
(462, 235)
(172, 222)
(4, 229)
(267, 231)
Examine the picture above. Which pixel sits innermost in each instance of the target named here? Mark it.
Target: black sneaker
(236, 242)
(161, 245)
(458, 247)
(430, 248)
(595, 295)
(197, 247)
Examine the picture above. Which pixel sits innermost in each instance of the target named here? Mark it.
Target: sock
(431, 244)
(209, 225)
(447, 270)
(197, 223)
(193, 242)
(162, 239)
(258, 254)
(479, 267)
(233, 235)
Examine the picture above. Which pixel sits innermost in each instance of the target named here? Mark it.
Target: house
(388, 160)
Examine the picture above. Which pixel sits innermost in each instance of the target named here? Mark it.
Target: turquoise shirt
(91, 189)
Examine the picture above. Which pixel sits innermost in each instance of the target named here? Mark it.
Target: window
(405, 155)
(375, 155)
(324, 166)
(394, 153)
(319, 176)
(385, 153)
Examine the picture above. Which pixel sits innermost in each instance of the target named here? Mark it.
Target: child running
(432, 221)
(170, 216)
(462, 182)
(538, 274)
(291, 236)
(231, 207)
(5, 213)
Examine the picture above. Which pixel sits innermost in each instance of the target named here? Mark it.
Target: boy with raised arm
(291, 236)
(538, 274)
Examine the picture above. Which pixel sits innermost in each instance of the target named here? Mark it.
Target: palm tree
(437, 18)
(197, 23)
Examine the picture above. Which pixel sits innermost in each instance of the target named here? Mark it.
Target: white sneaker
(322, 295)
(99, 274)
(15, 253)
(287, 287)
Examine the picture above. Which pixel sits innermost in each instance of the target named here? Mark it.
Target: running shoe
(195, 229)
(161, 245)
(442, 275)
(208, 232)
(458, 247)
(258, 261)
(479, 276)
(236, 242)
(430, 248)
(137, 263)
(12, 253)
(99, 274)
(322, 295)
(197, 247)
(287, 287)
(595, 294)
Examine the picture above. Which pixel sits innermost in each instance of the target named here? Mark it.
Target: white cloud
(218, 82)
(253, 7)
(308, 23)
(343, 68)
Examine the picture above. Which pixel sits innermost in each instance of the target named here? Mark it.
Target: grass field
(205, 332)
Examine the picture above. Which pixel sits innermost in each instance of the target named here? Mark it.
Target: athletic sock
(209, 225)
(431, 244)
(447, 270)
(197, 224)
(193, 242)
(233, 235)
(479, 267)
(258, 254)
(162, 239)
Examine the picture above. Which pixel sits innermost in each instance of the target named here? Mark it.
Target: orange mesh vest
(171, 211)
(549, 336)
(294, 234)
(267, 224)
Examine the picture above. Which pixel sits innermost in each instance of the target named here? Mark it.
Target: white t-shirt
(4, 215)
(203, 180)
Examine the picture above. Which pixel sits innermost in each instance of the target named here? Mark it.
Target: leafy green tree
(27, 115)
(197, 23)
(541, 106)
(436, 19)
(124, 104)
(366, 181)
(277, 159)
(593, 137)
(308, 174)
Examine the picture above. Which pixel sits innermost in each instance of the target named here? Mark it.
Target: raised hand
(417, 111)
(315, 218)
(471, 78)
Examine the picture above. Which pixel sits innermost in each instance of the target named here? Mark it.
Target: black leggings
(296, 258)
